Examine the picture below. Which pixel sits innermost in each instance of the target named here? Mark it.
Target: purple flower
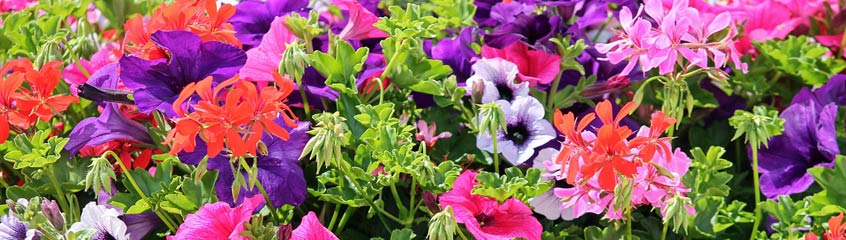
(808, 140)
(253, 17)
(526, 130)
(157, 83)
(457, 52)
(12, 228)
(497, 76)
(110, 125)
(534, 30)
(278, 171)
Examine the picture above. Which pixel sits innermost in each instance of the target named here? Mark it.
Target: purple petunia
(157, 83)
(110, 125)
(525, 130)
(253, 18)
(457, 52)
(278, 171)
(497, 76)
(808, 141)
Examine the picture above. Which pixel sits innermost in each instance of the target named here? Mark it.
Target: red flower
(21, 105)
(653, 142)
(836, 230)
(234, 117)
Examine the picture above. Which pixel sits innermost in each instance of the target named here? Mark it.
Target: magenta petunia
(264, 59)
(536, 67)
(218, 221)
(360, 25)
(485, 217)
(311, 229)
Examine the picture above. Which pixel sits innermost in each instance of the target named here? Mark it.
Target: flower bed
(442, 119)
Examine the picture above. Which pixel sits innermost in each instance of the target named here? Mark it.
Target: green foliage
(413, 22)
(513, 184)
(758, 126)
(340, 65)
(831, 180)
(410, 68)
(118, 11)
(34, 152)
(800, 57)
(706, 176)
(457, 13)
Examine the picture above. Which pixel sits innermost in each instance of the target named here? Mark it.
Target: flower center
(484, 219)
(517, 133)
(103, 235)
(505, 92)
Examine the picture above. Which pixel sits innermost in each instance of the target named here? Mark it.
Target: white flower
(103, 221)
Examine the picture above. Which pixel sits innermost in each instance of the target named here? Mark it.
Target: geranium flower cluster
(592, 163)
(236, 117)
(21, 105)
(681, 32)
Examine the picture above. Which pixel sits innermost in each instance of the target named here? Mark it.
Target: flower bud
(100, 174)
(477, 90)
(680, 211)
(613, 84)
(431, 201)
(285, 232)
(50, 51)
(442, 225)
(51, 211)
(294, 61)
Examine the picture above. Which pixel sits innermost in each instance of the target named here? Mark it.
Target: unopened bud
(100, 174)
(50, 51)
(285, 232)
(294, 61)
(431, 201)
(477, 90)
(442, 225)
(53, 214)
(680, 211)
(613, 84)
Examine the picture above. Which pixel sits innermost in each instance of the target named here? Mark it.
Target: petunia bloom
(535, 66)
(103, 221)
(12, 228)
(525, 130)
(218, 221)
(253, 18)
(485, 217)
(808, 141)
(311, 229)
(498, 78)
(278, 171)
(360, 24)
(157, 83)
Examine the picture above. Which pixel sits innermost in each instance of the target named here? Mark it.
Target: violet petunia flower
(534, 30)
(457, 52)
(498, 78)
(526, 130)
(157, 83)
(110, 125)
(12, 228)
(253, 18)
(808, 140)
(278, 171)
(104, 221)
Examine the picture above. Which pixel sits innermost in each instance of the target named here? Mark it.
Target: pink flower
(486, 218)
(360, 24)
(14, 5)
(636, 44)
(652, 187)
(263, 61)
(218, 221)
(534, 66)
(73, 75)
(426, 133)
(311, 229)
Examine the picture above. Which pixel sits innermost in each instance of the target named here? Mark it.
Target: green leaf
(800, 57)
(340, 67)
(831, 180)
(402, 234)
(705, 177)
(34, 152)
(513, 184)
(18, 192)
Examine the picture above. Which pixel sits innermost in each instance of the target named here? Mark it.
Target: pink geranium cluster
(703, 39)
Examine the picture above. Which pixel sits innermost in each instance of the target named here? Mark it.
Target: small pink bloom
(311, 229)
(73, 75)
(218, 221)
(427, 133)
(485, 218)
(263, 61)
(534, 66)
(360, 24)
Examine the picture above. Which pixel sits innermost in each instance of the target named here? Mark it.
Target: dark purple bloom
(12, 228)
(278, 171)
(483, 12)
(457, 52)
(139, 225)
(253, 17)
(534, 30)
(808, 140)
(157, 83)
(110, 125)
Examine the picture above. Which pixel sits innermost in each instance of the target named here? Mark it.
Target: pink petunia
(263, 61)
(486, 218)
(218, 221)
(360, 23)
(535, 66)
(311, 229)
(73, 75)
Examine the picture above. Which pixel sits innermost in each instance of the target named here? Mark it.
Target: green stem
(61, 195)
(413, 209)
(334, 216)
(495, 154)
(302, 91)
(755, 173)
(403, 210)
(346, 217)
(3, 182)
(629, 224)
(664, 231)
(166, 220)
(460, 232)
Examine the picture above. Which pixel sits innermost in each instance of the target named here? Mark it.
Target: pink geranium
(218, 221)
(74, 75)
(360, 23)
(311, 229)
(485, 217)
(534, 66)
(263, 61)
